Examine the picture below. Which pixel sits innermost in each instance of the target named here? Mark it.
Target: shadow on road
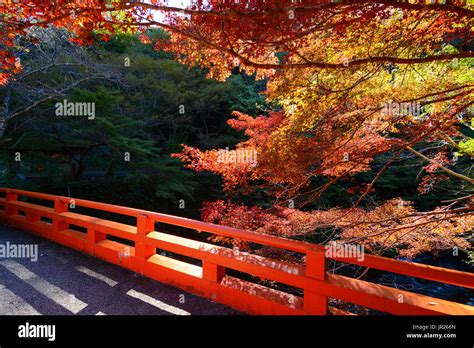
(64, 282)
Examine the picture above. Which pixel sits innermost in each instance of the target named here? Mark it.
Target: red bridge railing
(53, 218)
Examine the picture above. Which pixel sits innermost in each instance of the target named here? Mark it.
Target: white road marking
(96, 275)
(11, 304)
(61, 297)
(157, 303)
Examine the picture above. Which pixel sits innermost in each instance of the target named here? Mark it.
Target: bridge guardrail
(211, 279)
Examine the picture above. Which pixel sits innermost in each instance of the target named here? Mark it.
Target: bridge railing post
(212, 271)
(59, 207)
(143, 251)
(9, 197)
(31, 217)
(315, 302)
(93, 237)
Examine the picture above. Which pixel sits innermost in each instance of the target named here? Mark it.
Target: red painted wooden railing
(210, 280)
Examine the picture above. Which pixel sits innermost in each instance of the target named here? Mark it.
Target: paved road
(64, 281)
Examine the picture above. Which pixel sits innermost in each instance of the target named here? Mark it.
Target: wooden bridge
(212, 275)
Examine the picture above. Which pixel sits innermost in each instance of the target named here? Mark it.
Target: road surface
(64, 281)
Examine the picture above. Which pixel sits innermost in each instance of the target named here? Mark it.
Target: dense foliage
(359, 90)
(146, 105)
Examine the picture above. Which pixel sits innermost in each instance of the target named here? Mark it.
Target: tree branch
(446, 170)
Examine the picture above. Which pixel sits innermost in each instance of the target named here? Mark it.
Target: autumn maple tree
(352, 80)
